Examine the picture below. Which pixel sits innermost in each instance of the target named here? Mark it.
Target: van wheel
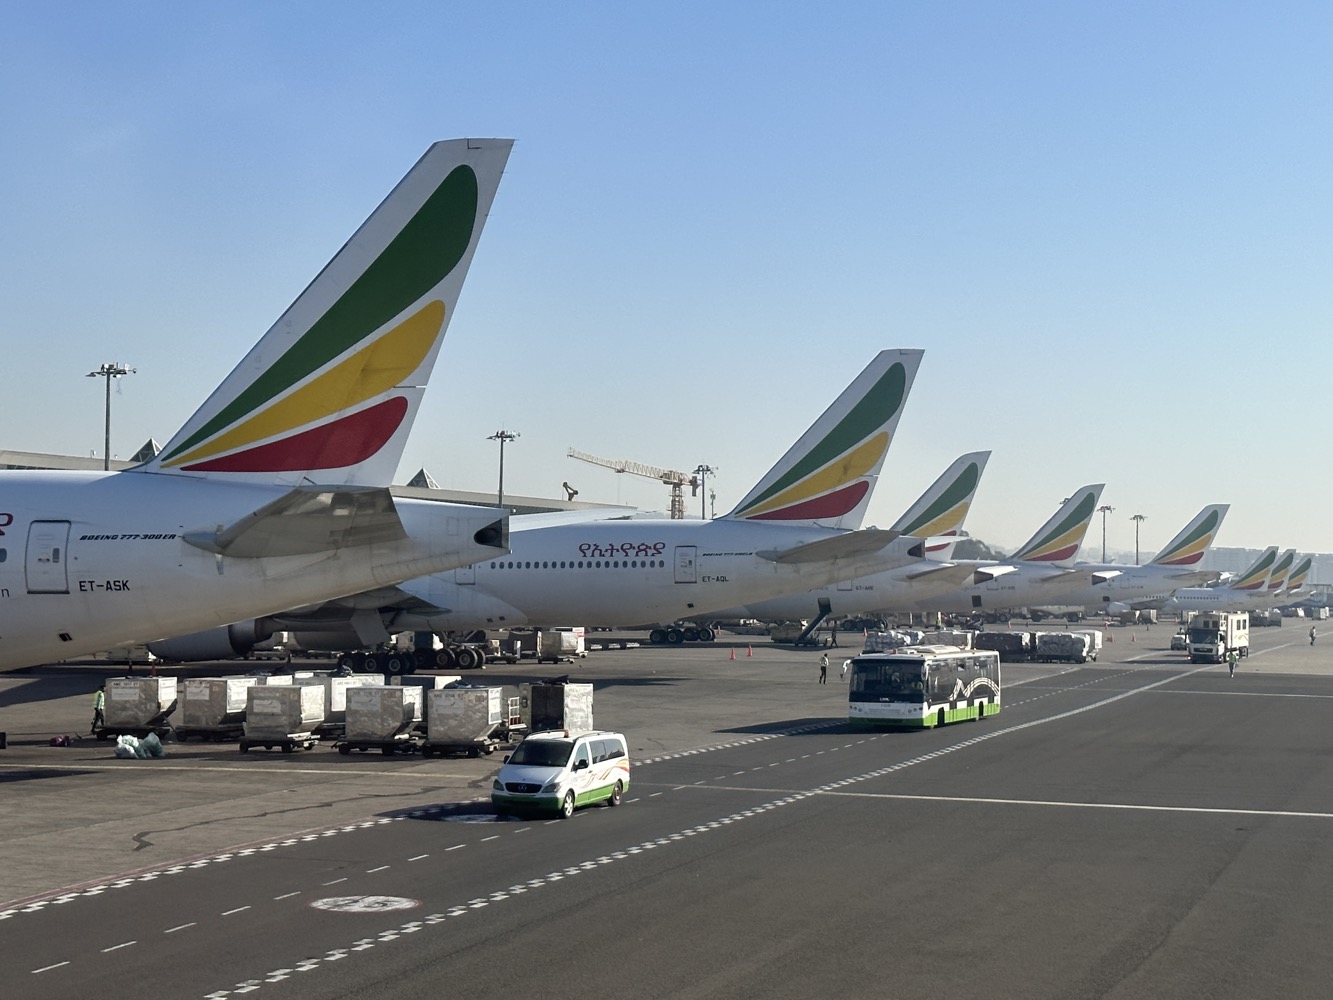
(567, 805)
(617, 795)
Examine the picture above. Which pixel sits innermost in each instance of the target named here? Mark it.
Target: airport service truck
(1213, 635)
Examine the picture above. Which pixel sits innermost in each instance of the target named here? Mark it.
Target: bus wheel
(939, 718)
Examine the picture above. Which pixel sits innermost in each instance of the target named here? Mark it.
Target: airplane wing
(307, 520)
(1105, 576)
(945, 573)
(550, 518)
(851, 543)
(1196, 578)
(1062, 575)
(985, 574)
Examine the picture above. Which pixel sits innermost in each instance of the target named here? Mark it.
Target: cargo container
(462, 719)
(213, 707)
(1010, 645)
(556, 706)
(283, 716)
(1065, 647)
(381, 717)
(138, 703)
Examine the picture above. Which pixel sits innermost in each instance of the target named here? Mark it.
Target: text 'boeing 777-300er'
(275, 493)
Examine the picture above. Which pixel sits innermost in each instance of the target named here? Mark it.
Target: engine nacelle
(223, 643)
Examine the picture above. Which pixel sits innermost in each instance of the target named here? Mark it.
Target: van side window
(614, 749)
(598, 751)
(581, 754)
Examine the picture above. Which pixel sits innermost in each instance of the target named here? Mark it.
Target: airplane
(1097, 586)
(795, 529)
(1256, 589)
(1045, 558)
(275, 492)
(1246, 592)
(938, 515)
(1297, 578)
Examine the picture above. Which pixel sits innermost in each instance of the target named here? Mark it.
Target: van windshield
(542, 753)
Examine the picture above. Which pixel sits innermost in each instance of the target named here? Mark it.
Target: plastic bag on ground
(126, 747)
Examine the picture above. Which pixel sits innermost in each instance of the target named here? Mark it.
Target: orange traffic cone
(733, 652)
(1110, 637)
(749, 651)
(1131, 637)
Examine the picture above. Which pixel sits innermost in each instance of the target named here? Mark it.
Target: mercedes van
(559, 771)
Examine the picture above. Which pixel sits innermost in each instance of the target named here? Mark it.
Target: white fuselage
(91, 560)
(619, 573)
(1134, 586)
(1030, 583)
(1221, 599)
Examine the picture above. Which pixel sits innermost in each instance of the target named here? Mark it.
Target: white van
(559, 771)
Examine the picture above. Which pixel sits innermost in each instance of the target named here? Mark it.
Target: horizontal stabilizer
(1105, 575)
(851, 543)
(306, 520)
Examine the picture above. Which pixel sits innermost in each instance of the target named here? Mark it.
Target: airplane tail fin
(1277, 580)
(1296, 580)
(943, 508)
(1188, 547)
(1057, 540)
(1258, 574)
(826, 478)
(329, 393)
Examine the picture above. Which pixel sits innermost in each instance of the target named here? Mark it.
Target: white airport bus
(918, 687)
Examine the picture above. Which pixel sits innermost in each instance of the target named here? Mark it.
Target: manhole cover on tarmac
(365, 904)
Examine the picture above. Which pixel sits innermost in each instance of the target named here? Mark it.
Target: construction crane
(677, 481)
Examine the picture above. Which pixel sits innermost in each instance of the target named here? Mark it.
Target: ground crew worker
(99, 704)
(1231, 662)
(823, 668)
(1313, 633)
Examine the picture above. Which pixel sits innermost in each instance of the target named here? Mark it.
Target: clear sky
(1108, 225)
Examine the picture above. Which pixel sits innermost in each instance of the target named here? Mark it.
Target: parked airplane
(792, 531)
(1246, 592)
(1297, 578)
(1095, 586)
(1024, 578)
(1256, 589)
(939, 513)
(275, 493)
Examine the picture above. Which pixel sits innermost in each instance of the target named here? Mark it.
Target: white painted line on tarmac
(48, 968)
(179, 927)
(287, 895)
(372, 871)
(494, 837)
(117, 947)
(1248, 694)
(335, 881)
(419, 857)
(242, 909)
(456, 847)
(1127, 806)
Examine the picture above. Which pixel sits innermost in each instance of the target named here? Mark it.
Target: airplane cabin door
(686, 571)
(844, 584)
(466, 574)
(48, 542)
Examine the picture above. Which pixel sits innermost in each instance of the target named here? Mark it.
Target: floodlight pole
(1138, 519)
(1103, 510)
(108, 371)
(502, 436)
(703, 472)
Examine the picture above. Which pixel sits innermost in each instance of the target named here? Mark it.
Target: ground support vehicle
(561, 771)
(137, 706)
(1215, 635)
(1010, 645)
(1063, 647)
(209, 734)
(920, 687)
(287, 744)
(401, 744)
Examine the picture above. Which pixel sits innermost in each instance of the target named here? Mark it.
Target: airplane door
(47, 557)
(685, 563)
(844, 584)
(466, 574)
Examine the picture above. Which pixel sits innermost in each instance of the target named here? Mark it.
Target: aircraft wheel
(706, 634)
(657, 636)
(674, 636)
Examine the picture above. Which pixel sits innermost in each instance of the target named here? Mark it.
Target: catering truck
(1213, 635)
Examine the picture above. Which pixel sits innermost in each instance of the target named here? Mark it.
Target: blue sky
(1107, 225)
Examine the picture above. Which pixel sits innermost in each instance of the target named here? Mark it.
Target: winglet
(329, 394)
(943, 508)
(1188, 547)
(1057, 540)
(826, 478)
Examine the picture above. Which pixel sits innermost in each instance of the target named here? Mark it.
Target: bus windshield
(893, 680)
